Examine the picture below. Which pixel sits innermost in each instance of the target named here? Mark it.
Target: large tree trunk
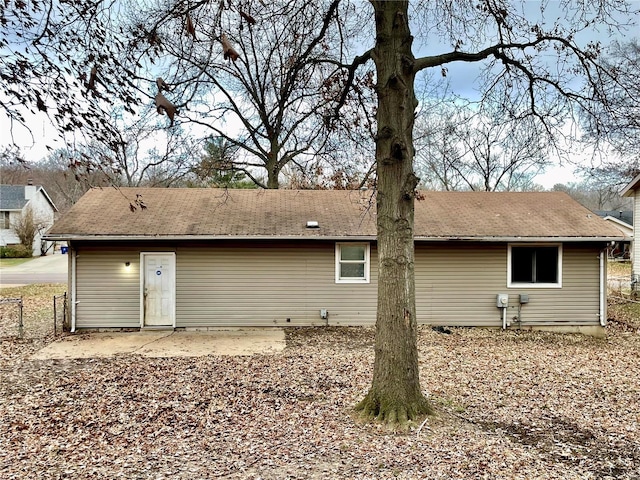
(395, 394)
(272, 179)
(273, 172)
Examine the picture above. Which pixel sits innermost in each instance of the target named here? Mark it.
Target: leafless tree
(464, 150)
(619, 122)
(65, 62)
(143, 155)
(609, 175)
(63, 181)
(513, 54)
(438, 154)
(259, 75)
(594, 195)
(262, 86)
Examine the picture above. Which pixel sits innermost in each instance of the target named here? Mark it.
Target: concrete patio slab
(166, 344)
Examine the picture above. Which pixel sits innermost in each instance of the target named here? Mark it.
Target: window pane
(522, 264)
(352, 253)
(352, 270)
(534, 264)
(546, 265)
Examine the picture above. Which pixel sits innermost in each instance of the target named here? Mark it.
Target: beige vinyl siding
(576, 303)
(458, 284)
(107, 293)
(266, 284)
(635, 244)
(226, 284)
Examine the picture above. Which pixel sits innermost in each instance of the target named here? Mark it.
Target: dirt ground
(510, 405)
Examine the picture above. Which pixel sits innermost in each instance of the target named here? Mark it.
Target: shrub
(27, 227)
(15, 251)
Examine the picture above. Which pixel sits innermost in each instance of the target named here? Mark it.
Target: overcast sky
(460, 75)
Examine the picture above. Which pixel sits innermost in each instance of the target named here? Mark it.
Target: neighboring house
(15, 200)
(632, 190)
(623, 220)
(230, 258)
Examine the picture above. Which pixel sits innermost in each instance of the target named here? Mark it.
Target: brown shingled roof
(215, 213)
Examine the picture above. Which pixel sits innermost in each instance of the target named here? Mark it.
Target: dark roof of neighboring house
(12, 197)
(104, 213)
(625, 216)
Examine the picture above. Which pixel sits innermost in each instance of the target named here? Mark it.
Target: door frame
(172, 266)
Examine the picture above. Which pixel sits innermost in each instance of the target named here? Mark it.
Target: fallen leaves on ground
(624, 315)
(510, 405)
(619, 269)
(37, 311)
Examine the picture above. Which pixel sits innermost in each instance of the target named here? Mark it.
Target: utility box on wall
(502, 300)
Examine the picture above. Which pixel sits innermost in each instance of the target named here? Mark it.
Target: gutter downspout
(603, 292)
(73, 290)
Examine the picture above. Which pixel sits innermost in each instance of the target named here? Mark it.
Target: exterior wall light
(127, 264)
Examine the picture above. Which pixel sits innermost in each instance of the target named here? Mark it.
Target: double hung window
(5, 220)
(352, 263)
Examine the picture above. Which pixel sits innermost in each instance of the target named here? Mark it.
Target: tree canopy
(465, 150)
(261, 76)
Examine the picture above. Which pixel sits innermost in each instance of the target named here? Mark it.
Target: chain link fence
(11, 317)
(27, 318)
(624, 288)
(60, 317)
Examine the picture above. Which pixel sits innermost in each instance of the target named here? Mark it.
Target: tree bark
(272, 179)
(273, 172)
(395, 395)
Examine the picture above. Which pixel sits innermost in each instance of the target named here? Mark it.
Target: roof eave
(60, 237)
(488, 239)
(628, 190)
(619, 222)
(44, 192)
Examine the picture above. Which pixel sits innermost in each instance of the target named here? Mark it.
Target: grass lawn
(619, 269)
(12, 262)
(37, 311)
(509, 405)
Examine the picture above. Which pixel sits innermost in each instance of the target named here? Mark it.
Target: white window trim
(367, 263)
(511, 284)
(5, 220)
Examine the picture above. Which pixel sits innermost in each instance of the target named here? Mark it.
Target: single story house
(623, 221)
(15, 201)
(227, 258)
(632, 190)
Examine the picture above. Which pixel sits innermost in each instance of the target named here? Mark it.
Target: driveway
(47, 269)
(236, 342)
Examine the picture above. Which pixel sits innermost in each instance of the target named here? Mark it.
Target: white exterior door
(158, 290)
